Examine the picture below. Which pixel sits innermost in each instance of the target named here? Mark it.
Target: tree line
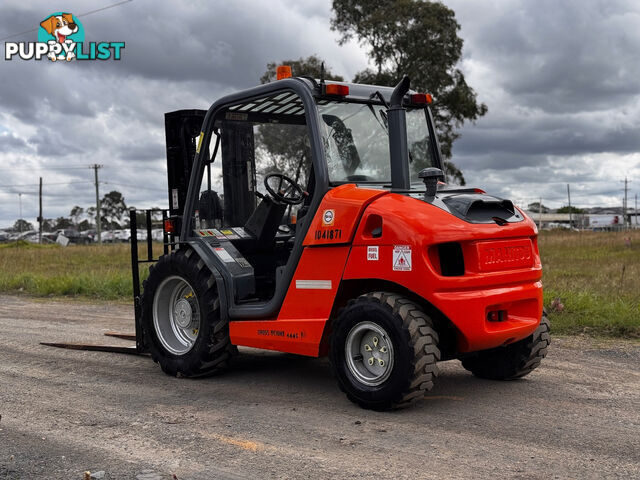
(114, 215)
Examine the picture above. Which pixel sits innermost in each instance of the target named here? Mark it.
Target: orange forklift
(312, 217)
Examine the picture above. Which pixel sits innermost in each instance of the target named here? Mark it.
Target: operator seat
(264, 222)
(210, 209)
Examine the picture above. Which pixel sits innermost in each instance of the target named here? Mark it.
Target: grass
(93, 272)
(595, 276)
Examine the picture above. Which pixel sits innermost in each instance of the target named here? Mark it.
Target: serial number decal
(329, 234)
(280, 333)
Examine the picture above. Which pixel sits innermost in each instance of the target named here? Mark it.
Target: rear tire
(384, 351)
(513, 361)
(182, 326)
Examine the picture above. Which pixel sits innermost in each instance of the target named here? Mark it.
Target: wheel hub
(369, 353)
(183, 313)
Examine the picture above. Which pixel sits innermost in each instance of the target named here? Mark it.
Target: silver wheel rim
(176, 315)
(369, 353)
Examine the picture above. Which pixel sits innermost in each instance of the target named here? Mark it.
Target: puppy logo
(61, 37)
(61, 31)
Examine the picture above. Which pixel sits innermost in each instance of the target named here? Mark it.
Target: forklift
(311, 217)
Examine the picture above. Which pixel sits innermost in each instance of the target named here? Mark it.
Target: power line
(133, 186)
(79, 16)
(36, 184)
(84, 167)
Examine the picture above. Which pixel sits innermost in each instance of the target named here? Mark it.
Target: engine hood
(472, 205)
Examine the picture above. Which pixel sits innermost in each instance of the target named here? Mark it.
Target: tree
(285, 148)
(113, 209)
(76, 214)
(22, 226)
(91, 213)
(419, 39)
(62, 223)
(84, 225)
(535, 207)
(48, 225)
(570, 210)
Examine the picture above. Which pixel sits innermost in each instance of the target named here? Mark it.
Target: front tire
(182, 326)
(513, 361)
(384, 351)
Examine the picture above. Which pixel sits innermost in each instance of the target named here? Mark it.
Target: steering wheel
(287, 191)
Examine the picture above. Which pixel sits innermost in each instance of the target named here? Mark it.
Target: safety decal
(223, 255)
(373, 253)
(402, 258)
(229, 234)
(328, 216)
(197, 148)
(242, 232)
(174, 199)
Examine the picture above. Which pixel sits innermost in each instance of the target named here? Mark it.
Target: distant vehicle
(4, 237)
(22, 235)
(31, 237)
(73, 236)
(604, 221)
(90, 235)
(157, 234)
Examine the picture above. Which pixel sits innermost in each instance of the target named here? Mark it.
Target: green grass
(584, 270)
(94, 272)
(596, 276)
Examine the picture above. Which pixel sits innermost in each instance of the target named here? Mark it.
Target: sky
(560, 80)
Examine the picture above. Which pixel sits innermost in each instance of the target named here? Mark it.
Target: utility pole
(540, 214)
(570, 216)
(624, 204)
(40, 214)
(98, 226)
(20, 201)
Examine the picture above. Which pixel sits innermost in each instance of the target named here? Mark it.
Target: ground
(282, 416)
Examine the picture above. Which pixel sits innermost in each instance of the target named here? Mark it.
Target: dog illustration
(60, 26)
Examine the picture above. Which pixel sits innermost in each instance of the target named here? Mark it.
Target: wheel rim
(176, 315)
(369, 353)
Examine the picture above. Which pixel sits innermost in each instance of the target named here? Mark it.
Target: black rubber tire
(513, 361)
(415, 345)
(212, 349)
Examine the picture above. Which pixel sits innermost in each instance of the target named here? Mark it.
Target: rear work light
(335, 89)
(283, 71)
(170, 225)
(421, 98)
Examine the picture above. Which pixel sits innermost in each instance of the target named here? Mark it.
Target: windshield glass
(356, 142)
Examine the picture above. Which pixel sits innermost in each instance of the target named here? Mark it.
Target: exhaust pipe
(398, 150)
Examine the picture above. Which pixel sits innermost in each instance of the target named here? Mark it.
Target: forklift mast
(182, 129)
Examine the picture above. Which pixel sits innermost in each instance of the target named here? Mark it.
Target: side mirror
(430, 177)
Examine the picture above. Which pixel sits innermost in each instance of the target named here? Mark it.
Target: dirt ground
(282, 416)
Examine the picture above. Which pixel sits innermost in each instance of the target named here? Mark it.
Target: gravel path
(282, 416)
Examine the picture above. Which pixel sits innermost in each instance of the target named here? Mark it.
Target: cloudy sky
(560, 80)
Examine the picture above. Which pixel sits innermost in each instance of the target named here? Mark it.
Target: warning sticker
(218, 234)
(230, 234)
(223, 254)
(372, 253)
(242, 232)
(402, 258)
